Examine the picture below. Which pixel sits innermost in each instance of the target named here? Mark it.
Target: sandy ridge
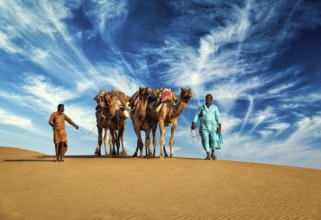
(34, 187)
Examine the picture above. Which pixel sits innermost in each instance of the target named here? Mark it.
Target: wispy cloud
(20, 121)
(37, 93)
(65, 52)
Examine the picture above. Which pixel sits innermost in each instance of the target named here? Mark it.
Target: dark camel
(102, 126)
(116, 120)
(140, 122)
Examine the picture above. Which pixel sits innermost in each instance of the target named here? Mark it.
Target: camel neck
(179, 108)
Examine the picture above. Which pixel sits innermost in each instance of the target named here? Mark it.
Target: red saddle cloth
(166, 95)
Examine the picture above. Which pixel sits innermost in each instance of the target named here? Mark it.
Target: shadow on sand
(36, 159)
(53, 158)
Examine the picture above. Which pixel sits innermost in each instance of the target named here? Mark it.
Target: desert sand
(33, 186)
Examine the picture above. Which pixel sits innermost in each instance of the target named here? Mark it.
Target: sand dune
(34, 187)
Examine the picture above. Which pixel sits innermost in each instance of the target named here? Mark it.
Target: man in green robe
(210, 126)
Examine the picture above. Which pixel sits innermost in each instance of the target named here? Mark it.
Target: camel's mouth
(189, 95)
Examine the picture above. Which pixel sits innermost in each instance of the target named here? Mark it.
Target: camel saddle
(160, 96)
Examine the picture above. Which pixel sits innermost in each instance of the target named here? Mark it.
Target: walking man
(57, 121)
(210, 127)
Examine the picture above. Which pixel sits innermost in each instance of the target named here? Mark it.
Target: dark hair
(60, 105)
(209, 95)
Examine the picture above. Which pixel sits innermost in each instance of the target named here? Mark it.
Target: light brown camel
(116, 120)
(168, 114)
(140, 122)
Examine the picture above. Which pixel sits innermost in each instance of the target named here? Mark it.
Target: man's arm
(196, 118)
(219, 128)
(71, 122)
(51, 119)
(218, 120)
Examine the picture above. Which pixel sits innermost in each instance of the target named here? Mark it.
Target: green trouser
(208, 139)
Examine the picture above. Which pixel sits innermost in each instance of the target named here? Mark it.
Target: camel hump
(166, 95)
(122, 96)
(163, 95)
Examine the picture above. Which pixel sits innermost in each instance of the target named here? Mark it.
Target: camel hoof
(123, 153)
(171, 156)
(135, 154)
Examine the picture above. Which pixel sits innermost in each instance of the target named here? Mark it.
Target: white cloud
(85, 85)
(11, 119)
(262, 116)
(229, 58)
(107, 15)
(22, 122)
(293, 151)
(38, 94)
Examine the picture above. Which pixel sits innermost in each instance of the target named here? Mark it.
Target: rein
(194, 135)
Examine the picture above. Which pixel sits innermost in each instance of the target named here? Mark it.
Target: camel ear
(140, 92)
(182, 89)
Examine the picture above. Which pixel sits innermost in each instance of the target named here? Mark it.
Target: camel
(102, 121)
(140, 122)
(168, 114)
(102, 127)
(116, 120)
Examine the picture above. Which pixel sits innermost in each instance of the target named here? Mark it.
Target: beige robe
(57, 121)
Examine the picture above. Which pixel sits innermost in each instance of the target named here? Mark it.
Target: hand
(76, 127)
(219, 129)
(193, 126)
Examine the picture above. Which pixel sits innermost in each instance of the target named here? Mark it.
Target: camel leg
(162, 138)
(117, 138)
(105, 141)
(113, 150)
(171, 141)
(123, 151)
(165, 152)
(147, 143)
(139, 143)
(154, 127)
(140, 146)
(100, 131)
(122, 140)
(111, 143)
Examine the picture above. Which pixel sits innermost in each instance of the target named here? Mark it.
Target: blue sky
(261, 60)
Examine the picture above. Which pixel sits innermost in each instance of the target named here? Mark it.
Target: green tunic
(210, 120)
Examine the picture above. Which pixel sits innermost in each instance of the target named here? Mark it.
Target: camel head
(144, 93)
(113, 104)
(186, 94)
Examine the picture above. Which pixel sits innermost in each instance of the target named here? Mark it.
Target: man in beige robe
(57, 121)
